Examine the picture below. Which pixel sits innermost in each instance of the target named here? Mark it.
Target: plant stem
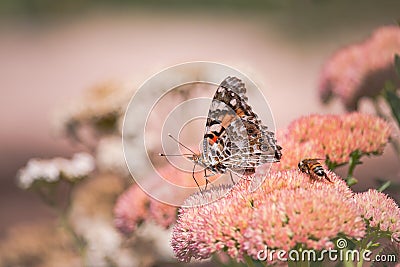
(360, 263)
(331, 165)
(63, 214)
(348, 263)
(395, 143)
(79, 243)
(368, 243)
(298, 263)
(354, 161)
(301, 262)
(249, 261)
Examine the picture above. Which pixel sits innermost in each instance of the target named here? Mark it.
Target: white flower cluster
(110, 156)
(81, 165)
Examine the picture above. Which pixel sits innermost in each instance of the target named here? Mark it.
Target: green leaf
(397, 64)
(390, 95)
(374, 245)
(384, 186)
(351, 181)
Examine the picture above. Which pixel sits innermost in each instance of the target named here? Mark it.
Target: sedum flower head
(162, 214)
(301, 211)
(336, 136)
(313, 218)
(361, 69)
(134, 207)
(379, 211)
(288, 209)
(202, 230)
(131, 209)
(294, 151)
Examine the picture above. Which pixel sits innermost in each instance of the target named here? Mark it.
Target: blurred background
(52, 51)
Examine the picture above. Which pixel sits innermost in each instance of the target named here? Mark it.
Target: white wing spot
(233, 102)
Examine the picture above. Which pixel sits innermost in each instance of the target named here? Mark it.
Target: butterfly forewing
(235, 138)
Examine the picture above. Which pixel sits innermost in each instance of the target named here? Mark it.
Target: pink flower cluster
(131, 209)
(295, 150)
(379, 211)
(134, 207)
(332, 136)
(287, 210)
(361, 69)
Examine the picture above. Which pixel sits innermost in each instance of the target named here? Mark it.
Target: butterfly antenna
(171, 155)
(173, 138)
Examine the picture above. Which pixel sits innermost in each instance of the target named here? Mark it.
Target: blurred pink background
(46, 62)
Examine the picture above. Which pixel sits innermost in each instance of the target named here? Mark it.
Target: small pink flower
(131, 209)
(334, 137)
(379, 210)
(134, 207)
(162, 214)
(361, 69)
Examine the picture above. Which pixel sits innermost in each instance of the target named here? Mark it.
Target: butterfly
(235, 140)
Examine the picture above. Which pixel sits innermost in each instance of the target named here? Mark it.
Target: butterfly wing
(235, 138)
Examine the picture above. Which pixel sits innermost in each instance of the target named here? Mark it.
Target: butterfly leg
(205, 177)
(233, 181)
(195, 178)
(244, 177)
(207, 182)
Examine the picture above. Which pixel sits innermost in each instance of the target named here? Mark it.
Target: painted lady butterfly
(235, 140)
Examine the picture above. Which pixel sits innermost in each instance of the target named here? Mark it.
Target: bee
(313, 168)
